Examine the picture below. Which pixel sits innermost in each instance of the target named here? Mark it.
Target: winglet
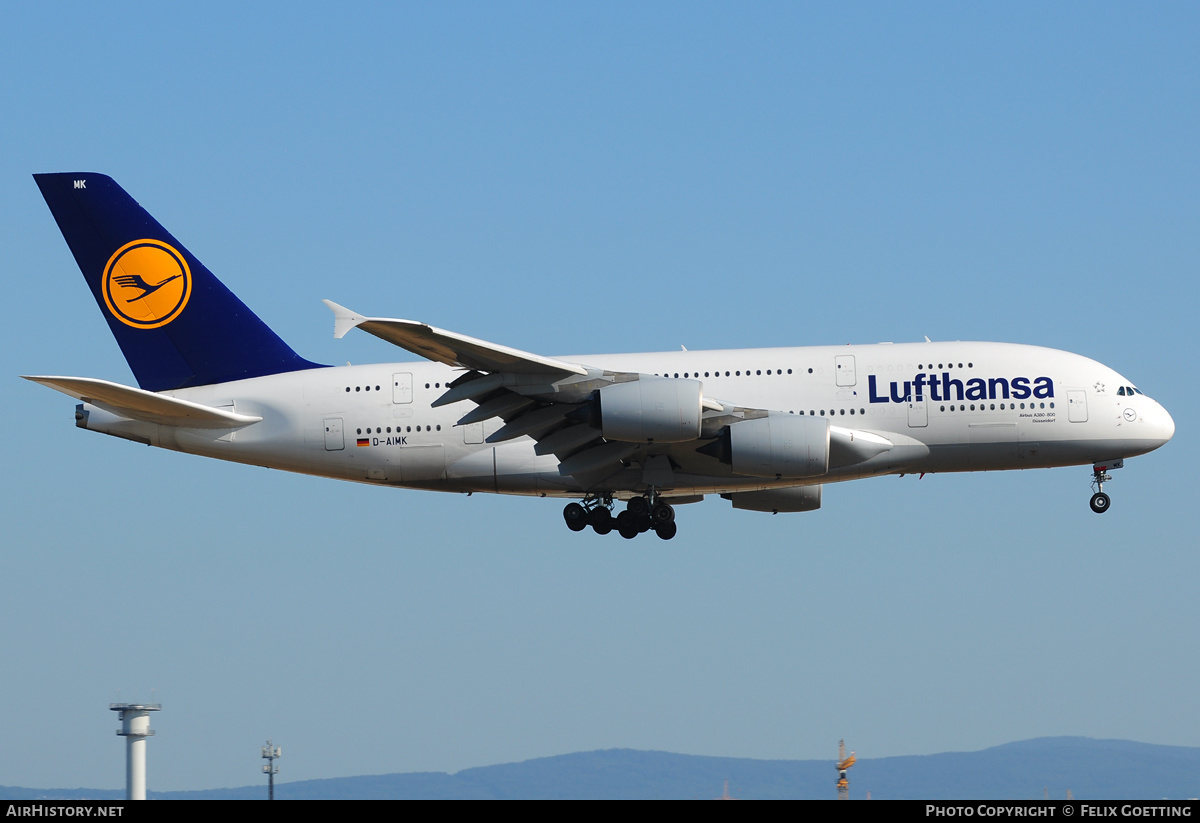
(343, 319)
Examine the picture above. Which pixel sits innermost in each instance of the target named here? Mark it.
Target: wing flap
(139, 404)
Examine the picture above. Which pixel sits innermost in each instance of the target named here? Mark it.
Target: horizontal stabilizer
(447, 347)
(138, 404)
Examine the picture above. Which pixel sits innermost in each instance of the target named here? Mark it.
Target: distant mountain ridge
(1089, 768)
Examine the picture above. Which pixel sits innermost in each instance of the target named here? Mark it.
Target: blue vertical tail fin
(176, 323)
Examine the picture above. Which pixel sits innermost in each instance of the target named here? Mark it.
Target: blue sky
(588, 178)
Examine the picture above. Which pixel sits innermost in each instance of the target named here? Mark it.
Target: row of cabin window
(399, 429)
(727, 374)
(992, 407)
(789, 371)
(368, 388)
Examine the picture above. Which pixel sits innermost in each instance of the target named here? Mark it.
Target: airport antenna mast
(269, 753)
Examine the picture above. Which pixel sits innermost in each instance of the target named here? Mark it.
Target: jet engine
(650, 410)
(793, 499)
(776, 446)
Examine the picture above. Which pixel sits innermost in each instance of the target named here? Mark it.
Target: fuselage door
(333, 434)
(918, 412)
(1077, 405)
(402, 390)
(844, 365)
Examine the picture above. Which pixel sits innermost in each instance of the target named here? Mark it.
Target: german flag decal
(364, 441)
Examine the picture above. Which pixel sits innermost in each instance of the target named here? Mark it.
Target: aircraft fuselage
(946, 407)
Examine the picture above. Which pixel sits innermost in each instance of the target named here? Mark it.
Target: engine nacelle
(780, 446)
(651, 410)
(794, 499)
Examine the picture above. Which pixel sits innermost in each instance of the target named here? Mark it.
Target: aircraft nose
(1164, 426)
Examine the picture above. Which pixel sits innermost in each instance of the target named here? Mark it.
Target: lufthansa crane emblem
(146, 284)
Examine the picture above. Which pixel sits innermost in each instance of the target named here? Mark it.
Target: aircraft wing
(449, 348)
(139, 404)
(597, 422)
(551, 401)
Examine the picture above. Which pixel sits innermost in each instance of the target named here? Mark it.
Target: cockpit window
(1121, 391)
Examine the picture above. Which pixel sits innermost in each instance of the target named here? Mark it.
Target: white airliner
(763, 428)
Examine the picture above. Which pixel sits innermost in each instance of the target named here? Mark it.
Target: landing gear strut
(651, 512)
(642, 514)
(1100, 501)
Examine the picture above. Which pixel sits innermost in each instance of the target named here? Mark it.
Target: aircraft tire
(667, 530)
(601, 520)
(1100, 502)
(637, 505)
(576, 517)
(662, 514)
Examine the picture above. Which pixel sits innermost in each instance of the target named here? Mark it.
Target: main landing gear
(1100, 476)
(642, 514)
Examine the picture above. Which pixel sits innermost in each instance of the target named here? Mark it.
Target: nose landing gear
(1100, 501)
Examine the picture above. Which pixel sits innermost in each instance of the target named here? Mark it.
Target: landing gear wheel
(627, 525)
(601, 520)
(638, 505)
(662, 514)
(667, 530)
(1100, 476)
(576, 517)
